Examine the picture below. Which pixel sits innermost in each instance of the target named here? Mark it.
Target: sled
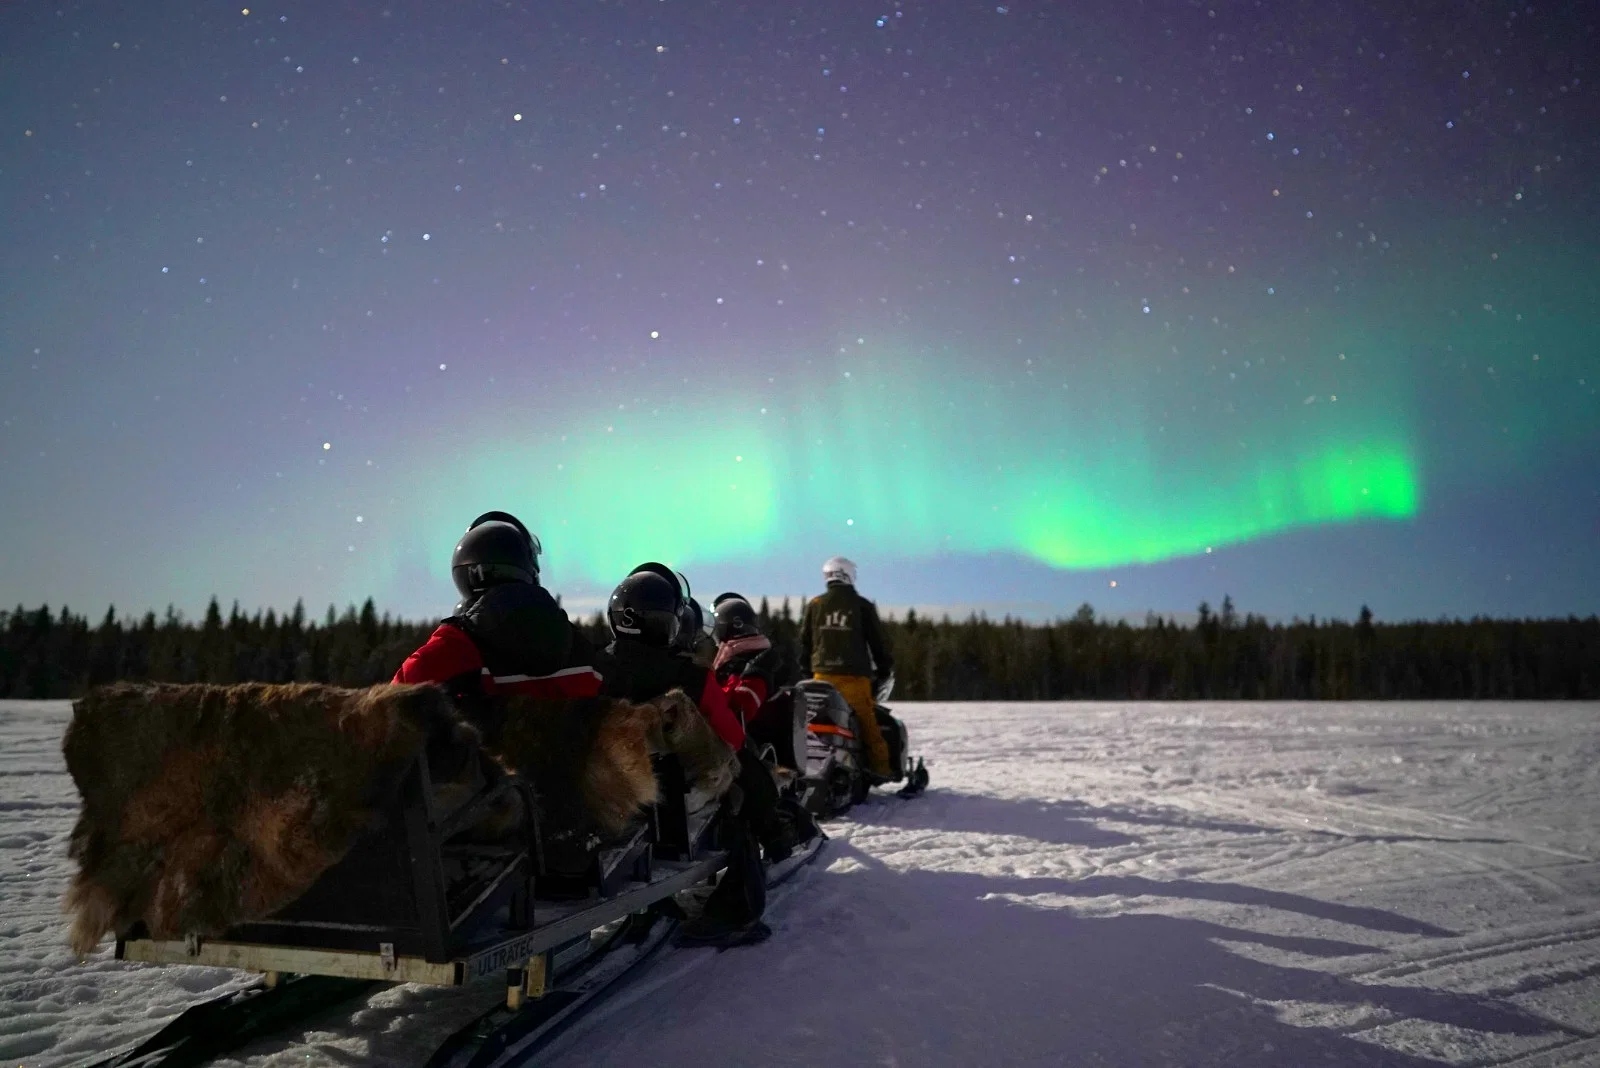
(388, 913)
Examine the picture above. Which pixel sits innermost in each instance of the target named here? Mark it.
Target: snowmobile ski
(917, 781)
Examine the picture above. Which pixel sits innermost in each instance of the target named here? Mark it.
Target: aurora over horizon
(1019, 305)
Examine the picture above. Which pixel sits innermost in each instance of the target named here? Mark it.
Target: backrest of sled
(391, 889)
(667, 831)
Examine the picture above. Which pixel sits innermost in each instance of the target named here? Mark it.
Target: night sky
(1018, 305)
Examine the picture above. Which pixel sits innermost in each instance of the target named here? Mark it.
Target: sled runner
(813, 732)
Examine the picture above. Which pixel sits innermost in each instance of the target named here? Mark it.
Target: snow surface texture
(1108, 884)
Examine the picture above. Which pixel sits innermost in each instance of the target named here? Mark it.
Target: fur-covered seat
(210, 806)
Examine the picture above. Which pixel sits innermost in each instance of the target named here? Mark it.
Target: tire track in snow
(1480, 946)
(1511, 876)
(1463, 823)
(1572, 1052)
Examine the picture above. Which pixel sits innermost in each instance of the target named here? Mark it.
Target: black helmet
(679, 583)
(496, 548)
(735, 618)
(645, 608)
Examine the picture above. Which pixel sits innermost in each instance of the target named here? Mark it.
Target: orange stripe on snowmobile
(828, 728)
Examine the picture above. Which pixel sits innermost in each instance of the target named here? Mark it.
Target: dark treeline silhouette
(45, 654)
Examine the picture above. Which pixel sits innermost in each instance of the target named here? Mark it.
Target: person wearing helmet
(842, 643)
(747, 667)
(692, 638)
(648, 654)
(648, 657)
(508, 635)
(745, 662)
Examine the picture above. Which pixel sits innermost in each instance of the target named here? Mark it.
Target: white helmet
(839, 569)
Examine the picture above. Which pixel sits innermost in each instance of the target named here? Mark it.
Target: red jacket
(449, 653)
(745, 667)
(720, 712)
(745, 695)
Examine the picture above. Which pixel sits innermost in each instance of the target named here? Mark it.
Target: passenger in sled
(746, 667)
(508, 635)
(649, 655)
(692, 639)
(745, 662)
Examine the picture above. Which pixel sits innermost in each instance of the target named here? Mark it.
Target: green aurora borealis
(1085, 444)
(1085, 448)
(877, 463)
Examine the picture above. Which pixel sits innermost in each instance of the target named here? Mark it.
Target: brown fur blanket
(207, 806)
(203, 805)
(589, 759)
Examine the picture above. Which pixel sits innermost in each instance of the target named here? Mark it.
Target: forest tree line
(1221, 655)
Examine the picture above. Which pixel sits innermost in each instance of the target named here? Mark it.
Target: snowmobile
(812, 731)
(421, 899)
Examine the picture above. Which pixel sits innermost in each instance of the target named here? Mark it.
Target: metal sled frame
(383, 913)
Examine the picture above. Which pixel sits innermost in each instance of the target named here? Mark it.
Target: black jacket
(638, 672)
(840, 634)
(521, 630)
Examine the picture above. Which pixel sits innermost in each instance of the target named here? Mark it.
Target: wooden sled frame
(407, 930)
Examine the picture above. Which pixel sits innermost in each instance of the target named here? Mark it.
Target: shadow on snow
(875, 966)
(1074, 822)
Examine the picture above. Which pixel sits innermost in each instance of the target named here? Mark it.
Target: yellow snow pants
(857, 692)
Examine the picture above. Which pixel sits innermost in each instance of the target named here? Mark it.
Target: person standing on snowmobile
(508, 635)
(842, 643)
(648, 657)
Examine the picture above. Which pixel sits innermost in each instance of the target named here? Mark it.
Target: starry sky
(1019, 305)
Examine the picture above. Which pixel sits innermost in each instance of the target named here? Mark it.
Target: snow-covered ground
(1107, 884)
